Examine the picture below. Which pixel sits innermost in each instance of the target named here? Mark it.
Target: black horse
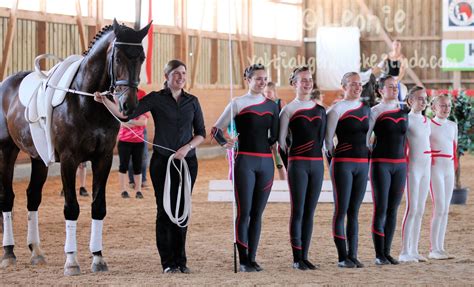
(82, 130)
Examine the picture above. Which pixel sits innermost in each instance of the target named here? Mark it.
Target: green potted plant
(461, 113)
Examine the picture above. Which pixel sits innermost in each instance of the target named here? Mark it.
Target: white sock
(8, 229)
(96, 235)
(70, 245)
(33, 230)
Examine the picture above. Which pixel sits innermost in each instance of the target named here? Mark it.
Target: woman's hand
(182, 151)
(231, 143)
(98, 97)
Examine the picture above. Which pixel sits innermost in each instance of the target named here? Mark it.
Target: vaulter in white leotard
(443, 140)
(419, 170)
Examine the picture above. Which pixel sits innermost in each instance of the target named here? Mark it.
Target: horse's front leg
(71, 213)
(101, 169)
(39, 173)
(8, 154)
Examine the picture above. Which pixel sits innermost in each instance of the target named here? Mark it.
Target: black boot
(380, 258)
(298, 260)
(245, 265)
(343, 261)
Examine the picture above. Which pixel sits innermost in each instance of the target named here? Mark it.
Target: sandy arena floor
(130, 251)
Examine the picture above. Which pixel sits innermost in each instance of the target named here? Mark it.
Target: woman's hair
(411, 93)
(381, 81)
(173, 64)
(346, 77)
(295, 73)
(315, 94)
(439, 97)
(250, 70)
(271, 85)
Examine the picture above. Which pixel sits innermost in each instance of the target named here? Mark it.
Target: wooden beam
(42, 35)
(456, 80)
(80, 26)
(250, 41)
(273, 69)
(365, 9)
(47, 17)
(184, 39)
(214, 61)
(240, 50)
(196, 58)
(9, 39)
(99, 16)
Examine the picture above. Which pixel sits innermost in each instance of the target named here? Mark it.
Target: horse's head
(126, 57)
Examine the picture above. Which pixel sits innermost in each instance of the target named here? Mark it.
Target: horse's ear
(116, 26)
(143, 32)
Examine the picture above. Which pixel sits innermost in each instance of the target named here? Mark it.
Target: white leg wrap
(33, 230)
(70, 245)
(96, 235)
(8, 229)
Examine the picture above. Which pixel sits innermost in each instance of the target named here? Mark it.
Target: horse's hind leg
(39, 173)
(8, 154)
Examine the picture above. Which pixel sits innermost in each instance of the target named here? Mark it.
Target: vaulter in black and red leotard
(305, 121)
(388, 167)
(349, 121)
(256, 122)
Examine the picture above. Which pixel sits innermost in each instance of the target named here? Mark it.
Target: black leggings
(305, 178)
(127, 149)
(388, 182)
(253, 183)
(349, 180)
(170, 238)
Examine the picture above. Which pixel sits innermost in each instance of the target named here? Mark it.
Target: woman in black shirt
(179, 126)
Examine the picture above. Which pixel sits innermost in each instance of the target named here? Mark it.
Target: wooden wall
(420, 31)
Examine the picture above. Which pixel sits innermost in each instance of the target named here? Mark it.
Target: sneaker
(346, 264)
(420, 258)
(300, 265)
(381, 261)
(310, 265)
(247, 268)
(256, 266)
(139, 195)
(392, 260)
(184, 269)
(407, 258)
(436, 255)
(171, 270)
(125, 194)
(449, 256)
(357, 262)
(83, 192)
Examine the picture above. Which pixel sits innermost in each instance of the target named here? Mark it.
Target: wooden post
(456, 80)
(99, 15)
(250, 43)
(42, 35)
(80, 26)
(272, 68)
(196, 58)
(184, 42)
(9, 39)
(214, 61)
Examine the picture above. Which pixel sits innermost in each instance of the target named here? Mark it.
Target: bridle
(114, 83)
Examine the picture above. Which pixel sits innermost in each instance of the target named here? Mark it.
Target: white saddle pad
(39, 100)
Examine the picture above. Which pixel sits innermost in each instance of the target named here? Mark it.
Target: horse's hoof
(38, 260)
(99, 267)
(7, 262)
(72, 270)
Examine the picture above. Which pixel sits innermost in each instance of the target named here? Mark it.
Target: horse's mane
(104, 30)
